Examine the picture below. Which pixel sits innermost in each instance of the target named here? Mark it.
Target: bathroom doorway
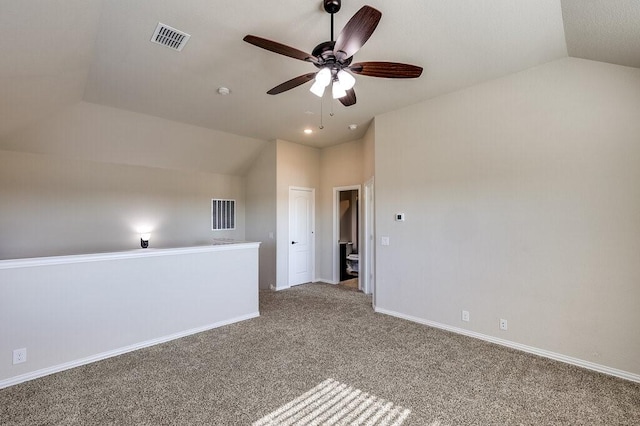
(347, 230)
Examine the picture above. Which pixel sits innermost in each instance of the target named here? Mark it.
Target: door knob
(294, 242)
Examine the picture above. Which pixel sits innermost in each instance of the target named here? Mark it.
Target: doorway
(301, 235)
(346, 240)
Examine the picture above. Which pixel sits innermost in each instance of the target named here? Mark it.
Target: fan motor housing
(324, 51)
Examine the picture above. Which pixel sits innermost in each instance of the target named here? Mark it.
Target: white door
(301, 238)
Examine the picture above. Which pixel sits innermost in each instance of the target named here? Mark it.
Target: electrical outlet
(19, 355)
(465, 316)
(503, 324)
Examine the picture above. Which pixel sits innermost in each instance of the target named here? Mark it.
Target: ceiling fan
(334, 58)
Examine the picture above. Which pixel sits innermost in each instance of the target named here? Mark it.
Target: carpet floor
(319, 355)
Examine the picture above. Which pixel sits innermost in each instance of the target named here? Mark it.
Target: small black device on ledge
(144, 240)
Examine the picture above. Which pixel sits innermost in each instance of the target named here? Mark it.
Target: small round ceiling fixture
(353, 126)
(224, 91)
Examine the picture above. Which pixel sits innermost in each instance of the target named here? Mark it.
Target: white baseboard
(104, 355)
(274, 288)
(529, 349)
(323, 280)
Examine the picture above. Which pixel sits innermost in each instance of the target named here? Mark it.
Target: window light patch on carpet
(334, 403)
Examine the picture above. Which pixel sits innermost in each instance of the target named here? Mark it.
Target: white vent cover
(170, 37)
(223, 214)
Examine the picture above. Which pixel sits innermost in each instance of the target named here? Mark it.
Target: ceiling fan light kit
(334, 58)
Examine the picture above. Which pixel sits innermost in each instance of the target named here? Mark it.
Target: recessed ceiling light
(308, 131)
(353, 126)
(224, 91)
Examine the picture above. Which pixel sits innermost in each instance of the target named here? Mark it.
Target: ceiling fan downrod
(332, 7)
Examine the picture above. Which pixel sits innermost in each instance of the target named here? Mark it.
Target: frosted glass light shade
(347, 81)
(338, 90)
(317, 89)
(324, 77)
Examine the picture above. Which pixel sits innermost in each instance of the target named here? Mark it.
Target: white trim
(274, 288)
(323, 280)
(98, 357)
(336, 228)
(368, 229)
(529, 349)
(98, 257)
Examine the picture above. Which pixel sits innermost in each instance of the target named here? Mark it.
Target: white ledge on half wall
(126, 254)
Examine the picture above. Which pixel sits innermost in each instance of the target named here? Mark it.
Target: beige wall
(281, 165)
(340, 165)
(101, 172)
(369, 152)
(297, 165)
(260, 185)
(55, 206)
(86, 134)
(87, 131)
(521, 200)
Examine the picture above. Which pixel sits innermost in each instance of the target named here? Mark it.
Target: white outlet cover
(503, 324)
(465, 315)
(20, 355)
(384, 241)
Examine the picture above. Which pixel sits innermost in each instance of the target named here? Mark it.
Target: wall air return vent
(170, 37)
(223, 214)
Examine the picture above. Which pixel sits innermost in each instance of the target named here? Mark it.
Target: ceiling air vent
(170, 37)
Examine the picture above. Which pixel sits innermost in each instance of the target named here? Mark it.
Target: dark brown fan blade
(356, 33)
(280, 48)
(294, 82)
(350, 99)
(386, 69)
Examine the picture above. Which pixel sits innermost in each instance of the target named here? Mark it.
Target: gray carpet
(273, 369)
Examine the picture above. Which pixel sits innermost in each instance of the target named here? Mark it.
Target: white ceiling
(54, 53)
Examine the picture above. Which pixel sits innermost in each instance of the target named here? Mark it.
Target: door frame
(369, 240)
(336, 229)
(313, 232)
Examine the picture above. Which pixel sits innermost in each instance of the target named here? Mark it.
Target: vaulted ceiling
(54, 53)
